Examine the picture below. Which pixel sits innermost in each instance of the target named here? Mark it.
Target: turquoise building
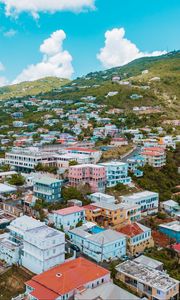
(48, 189)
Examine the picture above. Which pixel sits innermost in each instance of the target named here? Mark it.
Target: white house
(33, 244)
(149, 201)
(67, 218)
(43, 248)
(98, 197)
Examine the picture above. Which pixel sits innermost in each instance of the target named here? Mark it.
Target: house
(147, 281)
(67, 218)
(134, 163)
(111, 214)
(91, 174)
(149, 201)
(37, 247)
(154, 156)
(116, 172)
(43, 248)
(171, 207)
(149, 262)
(138, 237)
(99, 197)
(6, 189)
(119, 141)
(105, 291)
(171, 229)
(66, 280)
(94, 155)
(47, 188)
(98, 243)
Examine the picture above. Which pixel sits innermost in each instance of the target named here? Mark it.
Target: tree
(69, 193)
(17, 179)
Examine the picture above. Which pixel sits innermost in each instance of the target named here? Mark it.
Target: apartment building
(99, 197)
(148, 282)
(67, 218)
(154, 156)
(91, 174)
(112, 215)
(33, 245)
(43, 248)
(116, 172)
(138, 237)
(25, 160)
(63, 161)
(98, 243)
(47, 188)
(148, 201)
(66, 280)
(94, 155)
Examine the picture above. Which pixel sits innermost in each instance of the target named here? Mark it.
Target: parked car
(74, 247)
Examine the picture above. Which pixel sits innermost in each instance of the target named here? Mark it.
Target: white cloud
(15, 7)
(55, 61)
(119, 51)
(10, 33)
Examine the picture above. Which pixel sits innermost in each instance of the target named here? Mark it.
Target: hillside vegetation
(159, 86)
(31, 88)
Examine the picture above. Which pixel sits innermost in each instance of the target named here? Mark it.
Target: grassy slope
(31, 88)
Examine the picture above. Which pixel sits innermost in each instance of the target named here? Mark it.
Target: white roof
(106, 291)
(148, 261)
(4, 188)
(175, 226)
(24, 223)
(170, 203)
(139, 195)
(114, 163)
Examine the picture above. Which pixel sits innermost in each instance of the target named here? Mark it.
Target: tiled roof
(68, 210)
(131, 230)
(67, 277)
(81, 149)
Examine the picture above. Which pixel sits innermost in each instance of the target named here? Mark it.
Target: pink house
(91, 174)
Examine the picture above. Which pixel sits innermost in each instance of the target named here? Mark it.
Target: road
(136, 151)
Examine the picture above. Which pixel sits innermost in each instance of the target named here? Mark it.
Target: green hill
(159, 86)
(31, 88)
(163, 91)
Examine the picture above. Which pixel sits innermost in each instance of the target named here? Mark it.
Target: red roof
(81, 149)
(68, 210)
(90, 207)
(131, 230)
(41, 292)
(66, 277)
(176, 247)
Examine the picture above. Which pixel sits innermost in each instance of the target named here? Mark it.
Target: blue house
(99, 243)
(47, 188)
(172, 229)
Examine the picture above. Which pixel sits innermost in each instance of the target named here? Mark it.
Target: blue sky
(150, 25)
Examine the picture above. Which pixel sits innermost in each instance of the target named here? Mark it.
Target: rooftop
(175, 226)
(67, 277)
(148, 261)
(133, 229)
(44, 232)
(81, 149)
(154, 278)
(25, 223)
(46, 180)
(106, 291)
(137, 196)
(4, 188)
(69, 210)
